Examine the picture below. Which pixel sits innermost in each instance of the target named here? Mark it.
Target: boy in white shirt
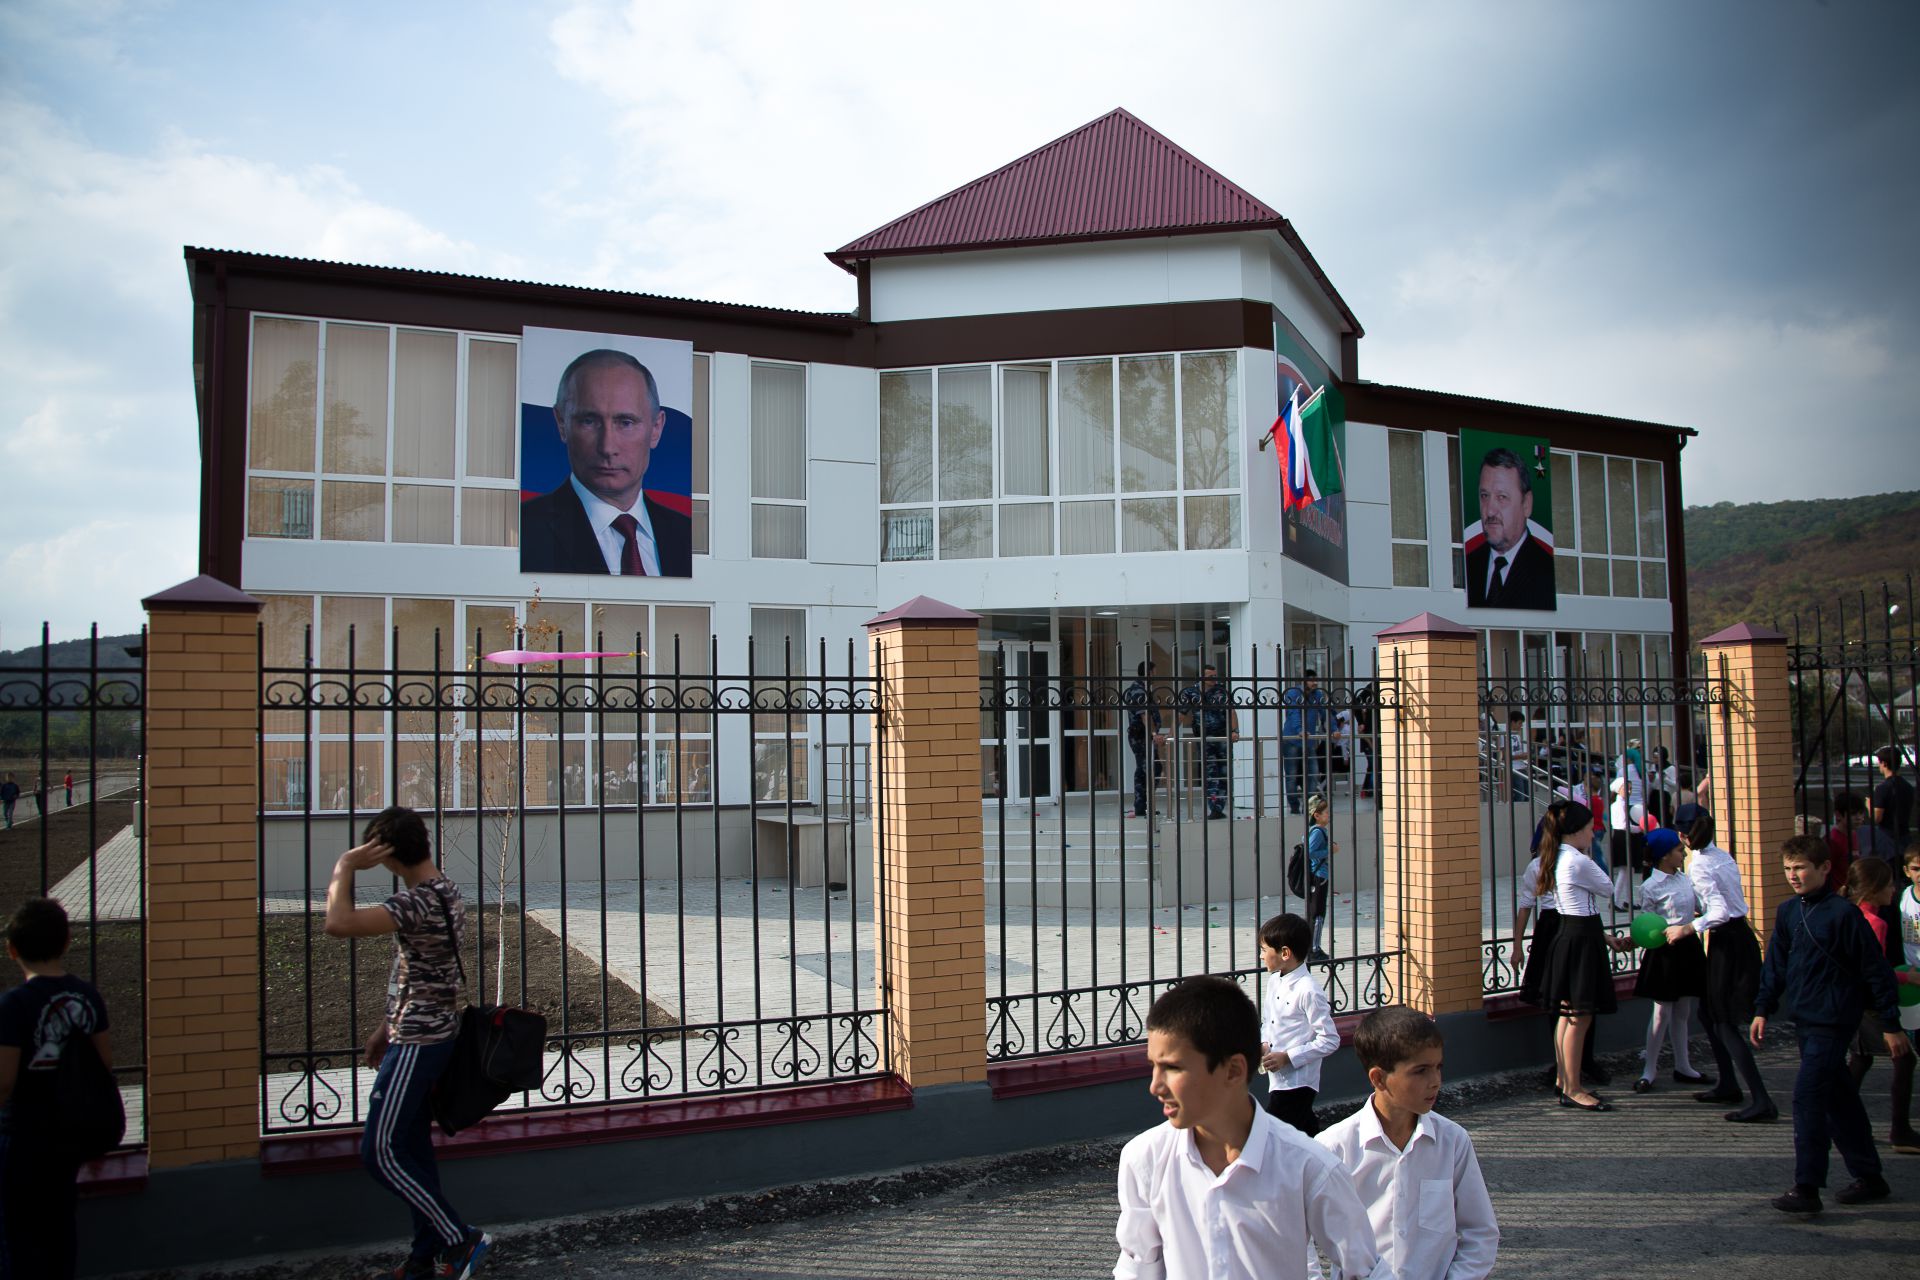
(1415, 1170)
(1222, 1189)
(1296, 1023)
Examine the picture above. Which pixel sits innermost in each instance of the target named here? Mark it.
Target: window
(1610, 526)
(1068, 457)
(1407, 504)
(779, 740)
(374, 433)
(777, 425)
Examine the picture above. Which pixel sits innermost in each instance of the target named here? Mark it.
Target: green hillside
(1764, 562)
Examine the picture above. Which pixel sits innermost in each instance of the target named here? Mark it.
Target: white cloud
(96, 395)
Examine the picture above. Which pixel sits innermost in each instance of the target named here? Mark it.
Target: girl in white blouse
(1578, 983)
(1674, 975)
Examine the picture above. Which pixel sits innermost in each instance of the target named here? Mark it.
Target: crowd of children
(1226, 1188)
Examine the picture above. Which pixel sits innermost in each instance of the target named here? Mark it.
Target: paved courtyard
(1659, 1187)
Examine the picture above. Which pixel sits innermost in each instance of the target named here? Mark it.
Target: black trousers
(37, 1196)
(1295, 1107)
(1827, 1113)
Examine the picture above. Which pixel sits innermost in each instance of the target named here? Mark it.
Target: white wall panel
(842, 499)
(843, 413)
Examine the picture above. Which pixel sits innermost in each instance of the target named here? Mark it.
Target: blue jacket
(1823, 954)
(1317, 852)
(1315, 703)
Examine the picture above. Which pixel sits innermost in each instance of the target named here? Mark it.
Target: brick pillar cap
(1744, 633)
(1425, 624)
(924, 611)
(203, 592)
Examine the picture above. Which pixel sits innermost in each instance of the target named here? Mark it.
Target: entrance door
(1017, 758)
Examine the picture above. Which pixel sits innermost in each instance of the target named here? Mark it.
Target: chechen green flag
(1323, 422)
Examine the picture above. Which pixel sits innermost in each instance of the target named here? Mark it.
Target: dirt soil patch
(347, 980)
(69, 837)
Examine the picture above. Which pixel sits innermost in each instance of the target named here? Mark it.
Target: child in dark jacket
(1825, 957)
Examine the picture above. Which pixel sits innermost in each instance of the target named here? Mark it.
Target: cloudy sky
(1697, 212)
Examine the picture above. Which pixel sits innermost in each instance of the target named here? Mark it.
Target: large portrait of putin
(605, 470)
(1506, 504)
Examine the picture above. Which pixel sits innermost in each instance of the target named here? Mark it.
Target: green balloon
(1650, 929)
(1909, 994)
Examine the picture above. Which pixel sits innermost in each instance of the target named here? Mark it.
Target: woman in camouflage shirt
(415, 1040)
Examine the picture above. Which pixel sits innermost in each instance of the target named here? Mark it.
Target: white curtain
(1086, 427)
(1209, 422)
(1023, 431)
(351, 511)
(1146, 424)
(778, 421)
(906, 436)
(489, 518)
(423, 513)
(354, 431)
(493, 408)
(286, 358)
(966, 433)
(1026, 529)
(425, 387)
(1086, 528)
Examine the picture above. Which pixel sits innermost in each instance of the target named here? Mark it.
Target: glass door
(1017, 737)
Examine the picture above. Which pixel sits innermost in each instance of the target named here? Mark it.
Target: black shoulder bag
(89, 1118)
(496, 1053)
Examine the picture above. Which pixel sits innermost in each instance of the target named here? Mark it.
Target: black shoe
(1799, 1200)
(1720, 1095)
(1861, 1190)
(1139, 813)
(1643, 1085)
(1320, 956)
(1680, 1079)
(462, 1260)
(1753, 1115)
(1598, 1104)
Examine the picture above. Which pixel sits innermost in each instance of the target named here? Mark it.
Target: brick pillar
(1750, 761)
(1429, 785)
(202, 803)
(927, 843)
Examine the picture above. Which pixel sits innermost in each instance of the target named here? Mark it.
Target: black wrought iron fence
(1853, 670)
(1139, 827)
(643, 850)
(1633, 749)
(72, 751)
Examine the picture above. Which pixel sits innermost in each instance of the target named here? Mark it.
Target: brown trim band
(1089, 331)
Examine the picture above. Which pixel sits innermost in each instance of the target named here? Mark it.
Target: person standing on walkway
(1212, 710)
(39, 1174)
(1673, 977)
(1578, 984)
(1893, 799)
(39, 796)
(1733, 973)
(1321, 846)
(1296, 1024)
(67, 782)
(1301, 727)
(1222, 1189)
(415, 1041)
(1145, 738)
(9, 797)
(1824, 954)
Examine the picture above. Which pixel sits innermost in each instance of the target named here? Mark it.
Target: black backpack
(1297, 870)
(88, 1118)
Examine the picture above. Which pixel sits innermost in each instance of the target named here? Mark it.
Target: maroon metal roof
(1114, 178)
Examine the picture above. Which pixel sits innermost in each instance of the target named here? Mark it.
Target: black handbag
(1297, 870)
(497, 1053)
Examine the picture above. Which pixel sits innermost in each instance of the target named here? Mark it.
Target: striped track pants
(397, 1147)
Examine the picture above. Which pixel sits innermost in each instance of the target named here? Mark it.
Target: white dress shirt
(1432, 1218)
(613, 543)
(1716, 882)
(1295, 1019)
(1579, 884)
(1525, 899)
(1254, 1221)
(1672, 896)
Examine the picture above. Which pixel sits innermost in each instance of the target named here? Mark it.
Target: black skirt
(1578, 979)
(1673, 972)
(1733, 973)
(1533, 973)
